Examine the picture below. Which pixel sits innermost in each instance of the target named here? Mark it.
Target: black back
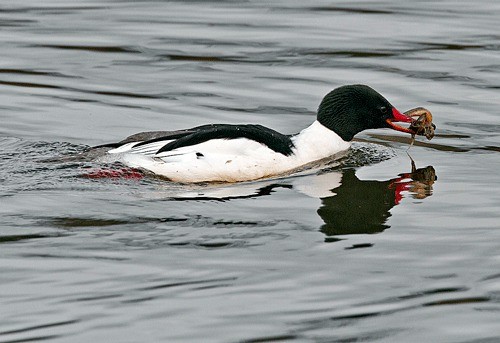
(181, 138)
(272, 139)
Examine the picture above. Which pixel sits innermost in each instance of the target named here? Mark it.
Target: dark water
(324, 257)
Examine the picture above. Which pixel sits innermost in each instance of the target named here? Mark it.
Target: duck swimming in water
(232, 153)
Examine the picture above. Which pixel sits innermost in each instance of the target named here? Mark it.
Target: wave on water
(26, 165)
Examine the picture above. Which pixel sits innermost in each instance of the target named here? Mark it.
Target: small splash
(24, 167)
(362, 154)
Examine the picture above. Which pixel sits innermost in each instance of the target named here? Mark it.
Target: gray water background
(119, 260)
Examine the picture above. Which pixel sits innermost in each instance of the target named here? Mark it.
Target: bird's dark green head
(350, 109)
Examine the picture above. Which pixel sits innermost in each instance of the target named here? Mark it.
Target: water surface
(364, 250)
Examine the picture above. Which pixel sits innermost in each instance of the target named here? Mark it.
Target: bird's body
(231, 160)
(231, 153)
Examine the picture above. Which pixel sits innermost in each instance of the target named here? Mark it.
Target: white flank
(231, 160)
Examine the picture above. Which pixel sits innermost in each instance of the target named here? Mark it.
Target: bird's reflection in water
(362, 206)
(348, 205)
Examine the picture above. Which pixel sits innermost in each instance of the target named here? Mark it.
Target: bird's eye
(383, 110)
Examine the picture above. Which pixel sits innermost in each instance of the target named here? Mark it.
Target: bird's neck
(340, 124)
(317, 141)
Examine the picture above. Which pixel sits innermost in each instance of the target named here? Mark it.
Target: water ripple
(86, 258)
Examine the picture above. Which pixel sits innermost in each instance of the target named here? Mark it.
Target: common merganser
(232, 153)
